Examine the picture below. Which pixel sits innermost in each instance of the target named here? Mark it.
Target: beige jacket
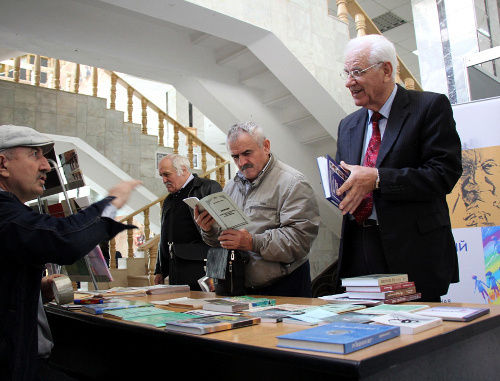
(285, 221)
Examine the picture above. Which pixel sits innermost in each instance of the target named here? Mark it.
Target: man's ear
(388, 70)
(4, 171)
(267, 145)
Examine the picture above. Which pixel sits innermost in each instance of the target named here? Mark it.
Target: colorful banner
(475, 204)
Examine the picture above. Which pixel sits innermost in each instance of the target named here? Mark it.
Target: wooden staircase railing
(54, 72)
(51, 73)
(364, 25)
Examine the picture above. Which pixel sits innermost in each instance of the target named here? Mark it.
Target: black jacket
(29, 240)
(201, 188)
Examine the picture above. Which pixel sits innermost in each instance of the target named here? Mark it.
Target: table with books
(141, 335)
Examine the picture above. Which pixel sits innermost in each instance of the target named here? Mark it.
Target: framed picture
(196, 162)
(159, 156)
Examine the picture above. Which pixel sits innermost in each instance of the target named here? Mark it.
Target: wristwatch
(377, 182)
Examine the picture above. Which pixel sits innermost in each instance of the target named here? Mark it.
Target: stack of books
(388, 288)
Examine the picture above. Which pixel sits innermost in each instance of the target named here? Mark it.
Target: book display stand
(93, 266)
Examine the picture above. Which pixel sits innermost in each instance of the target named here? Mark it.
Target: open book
(332, 178)
(222, 208)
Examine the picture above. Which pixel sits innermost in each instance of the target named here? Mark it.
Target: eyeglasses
(357, 73)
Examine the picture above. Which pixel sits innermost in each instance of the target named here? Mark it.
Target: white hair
(178, 162)
(379, 49)
(256, 132)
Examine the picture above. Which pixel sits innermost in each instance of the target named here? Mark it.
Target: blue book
(338, 337)
(332, 177)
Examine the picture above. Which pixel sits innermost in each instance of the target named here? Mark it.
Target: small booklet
(455, 313)
(332, 178)
(226, 213)
(409, 323)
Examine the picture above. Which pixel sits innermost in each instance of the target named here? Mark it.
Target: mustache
(246, 166)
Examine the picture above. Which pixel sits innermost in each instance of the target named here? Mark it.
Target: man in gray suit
(415, 156)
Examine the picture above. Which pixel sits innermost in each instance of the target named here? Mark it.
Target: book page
(323, 172)
(223, 209)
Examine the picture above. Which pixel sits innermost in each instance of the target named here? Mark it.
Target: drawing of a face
(479, 172)
(478, 188)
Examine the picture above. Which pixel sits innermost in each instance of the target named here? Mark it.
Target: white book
(344, 299)
(455, 313)
(383, 309)
(222, 208)
(409, 323)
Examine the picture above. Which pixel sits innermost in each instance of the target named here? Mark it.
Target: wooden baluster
(130, 102)
(112, 95)
(161, 128)
(409, 84)
(152, 254)
(17, 69)
(130, 240)
(222, 181)
(94, 77)
(360, 25)
(144, 103)
(176, 139)
(57, 74)
(190, 150)
(342, 11)
(217, 163)
(76, 79)
(146, 225)
(398, 72)
(27, 72)
(112, 253)
(203, 157)
(36, 76)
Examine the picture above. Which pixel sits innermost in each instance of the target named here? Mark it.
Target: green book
(126, 313)
(159, 320)
(253, 302)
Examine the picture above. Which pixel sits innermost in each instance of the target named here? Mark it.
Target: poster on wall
(475, 204)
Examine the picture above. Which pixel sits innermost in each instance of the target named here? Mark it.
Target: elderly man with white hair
(177, 223)
(403, 153)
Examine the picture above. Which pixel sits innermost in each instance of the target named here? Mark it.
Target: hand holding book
(226, 213)
(333, 177)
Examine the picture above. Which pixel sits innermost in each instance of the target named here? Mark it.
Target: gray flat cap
(19, 136)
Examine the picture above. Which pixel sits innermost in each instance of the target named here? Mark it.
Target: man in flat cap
(29, 240)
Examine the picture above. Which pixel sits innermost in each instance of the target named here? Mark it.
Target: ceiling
(403, 36)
